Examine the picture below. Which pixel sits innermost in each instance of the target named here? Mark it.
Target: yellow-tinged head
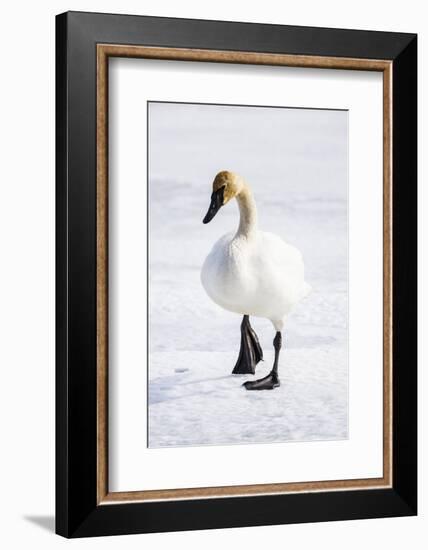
(231, 182)
(226, 186)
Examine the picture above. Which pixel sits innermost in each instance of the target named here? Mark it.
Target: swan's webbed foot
(250, 352)
(269, 382)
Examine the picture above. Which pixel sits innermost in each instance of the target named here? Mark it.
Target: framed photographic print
(236, 274)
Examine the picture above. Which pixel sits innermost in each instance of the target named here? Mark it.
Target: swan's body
(260, 275)
(251, 272)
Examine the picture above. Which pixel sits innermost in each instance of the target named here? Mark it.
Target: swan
(251, 272)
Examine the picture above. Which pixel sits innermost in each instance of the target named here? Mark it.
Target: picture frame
(84, 44)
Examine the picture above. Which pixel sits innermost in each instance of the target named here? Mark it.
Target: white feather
(255, 273)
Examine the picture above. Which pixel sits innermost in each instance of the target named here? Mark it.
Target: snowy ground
(296, 163)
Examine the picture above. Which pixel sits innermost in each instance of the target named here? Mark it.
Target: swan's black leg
(270, 381)
(250, 352)
(277, 345)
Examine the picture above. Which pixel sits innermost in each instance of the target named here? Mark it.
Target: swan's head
(226, 186)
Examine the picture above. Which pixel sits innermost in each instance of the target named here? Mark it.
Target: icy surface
(296, 164)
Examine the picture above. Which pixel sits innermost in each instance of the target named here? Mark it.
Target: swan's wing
(283, 266)
(281, 253)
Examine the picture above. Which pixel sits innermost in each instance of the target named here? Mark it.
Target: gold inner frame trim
(104, 51)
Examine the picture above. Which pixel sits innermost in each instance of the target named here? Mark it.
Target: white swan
(251, 272)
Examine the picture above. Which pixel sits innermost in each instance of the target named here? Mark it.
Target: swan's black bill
(215, 205)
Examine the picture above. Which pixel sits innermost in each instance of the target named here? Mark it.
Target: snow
(296, 162)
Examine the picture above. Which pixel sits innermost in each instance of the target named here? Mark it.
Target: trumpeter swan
(251, 272)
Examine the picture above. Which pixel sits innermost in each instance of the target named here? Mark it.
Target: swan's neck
(247, 213)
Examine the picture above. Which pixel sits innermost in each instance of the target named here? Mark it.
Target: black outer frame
(77, 513)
